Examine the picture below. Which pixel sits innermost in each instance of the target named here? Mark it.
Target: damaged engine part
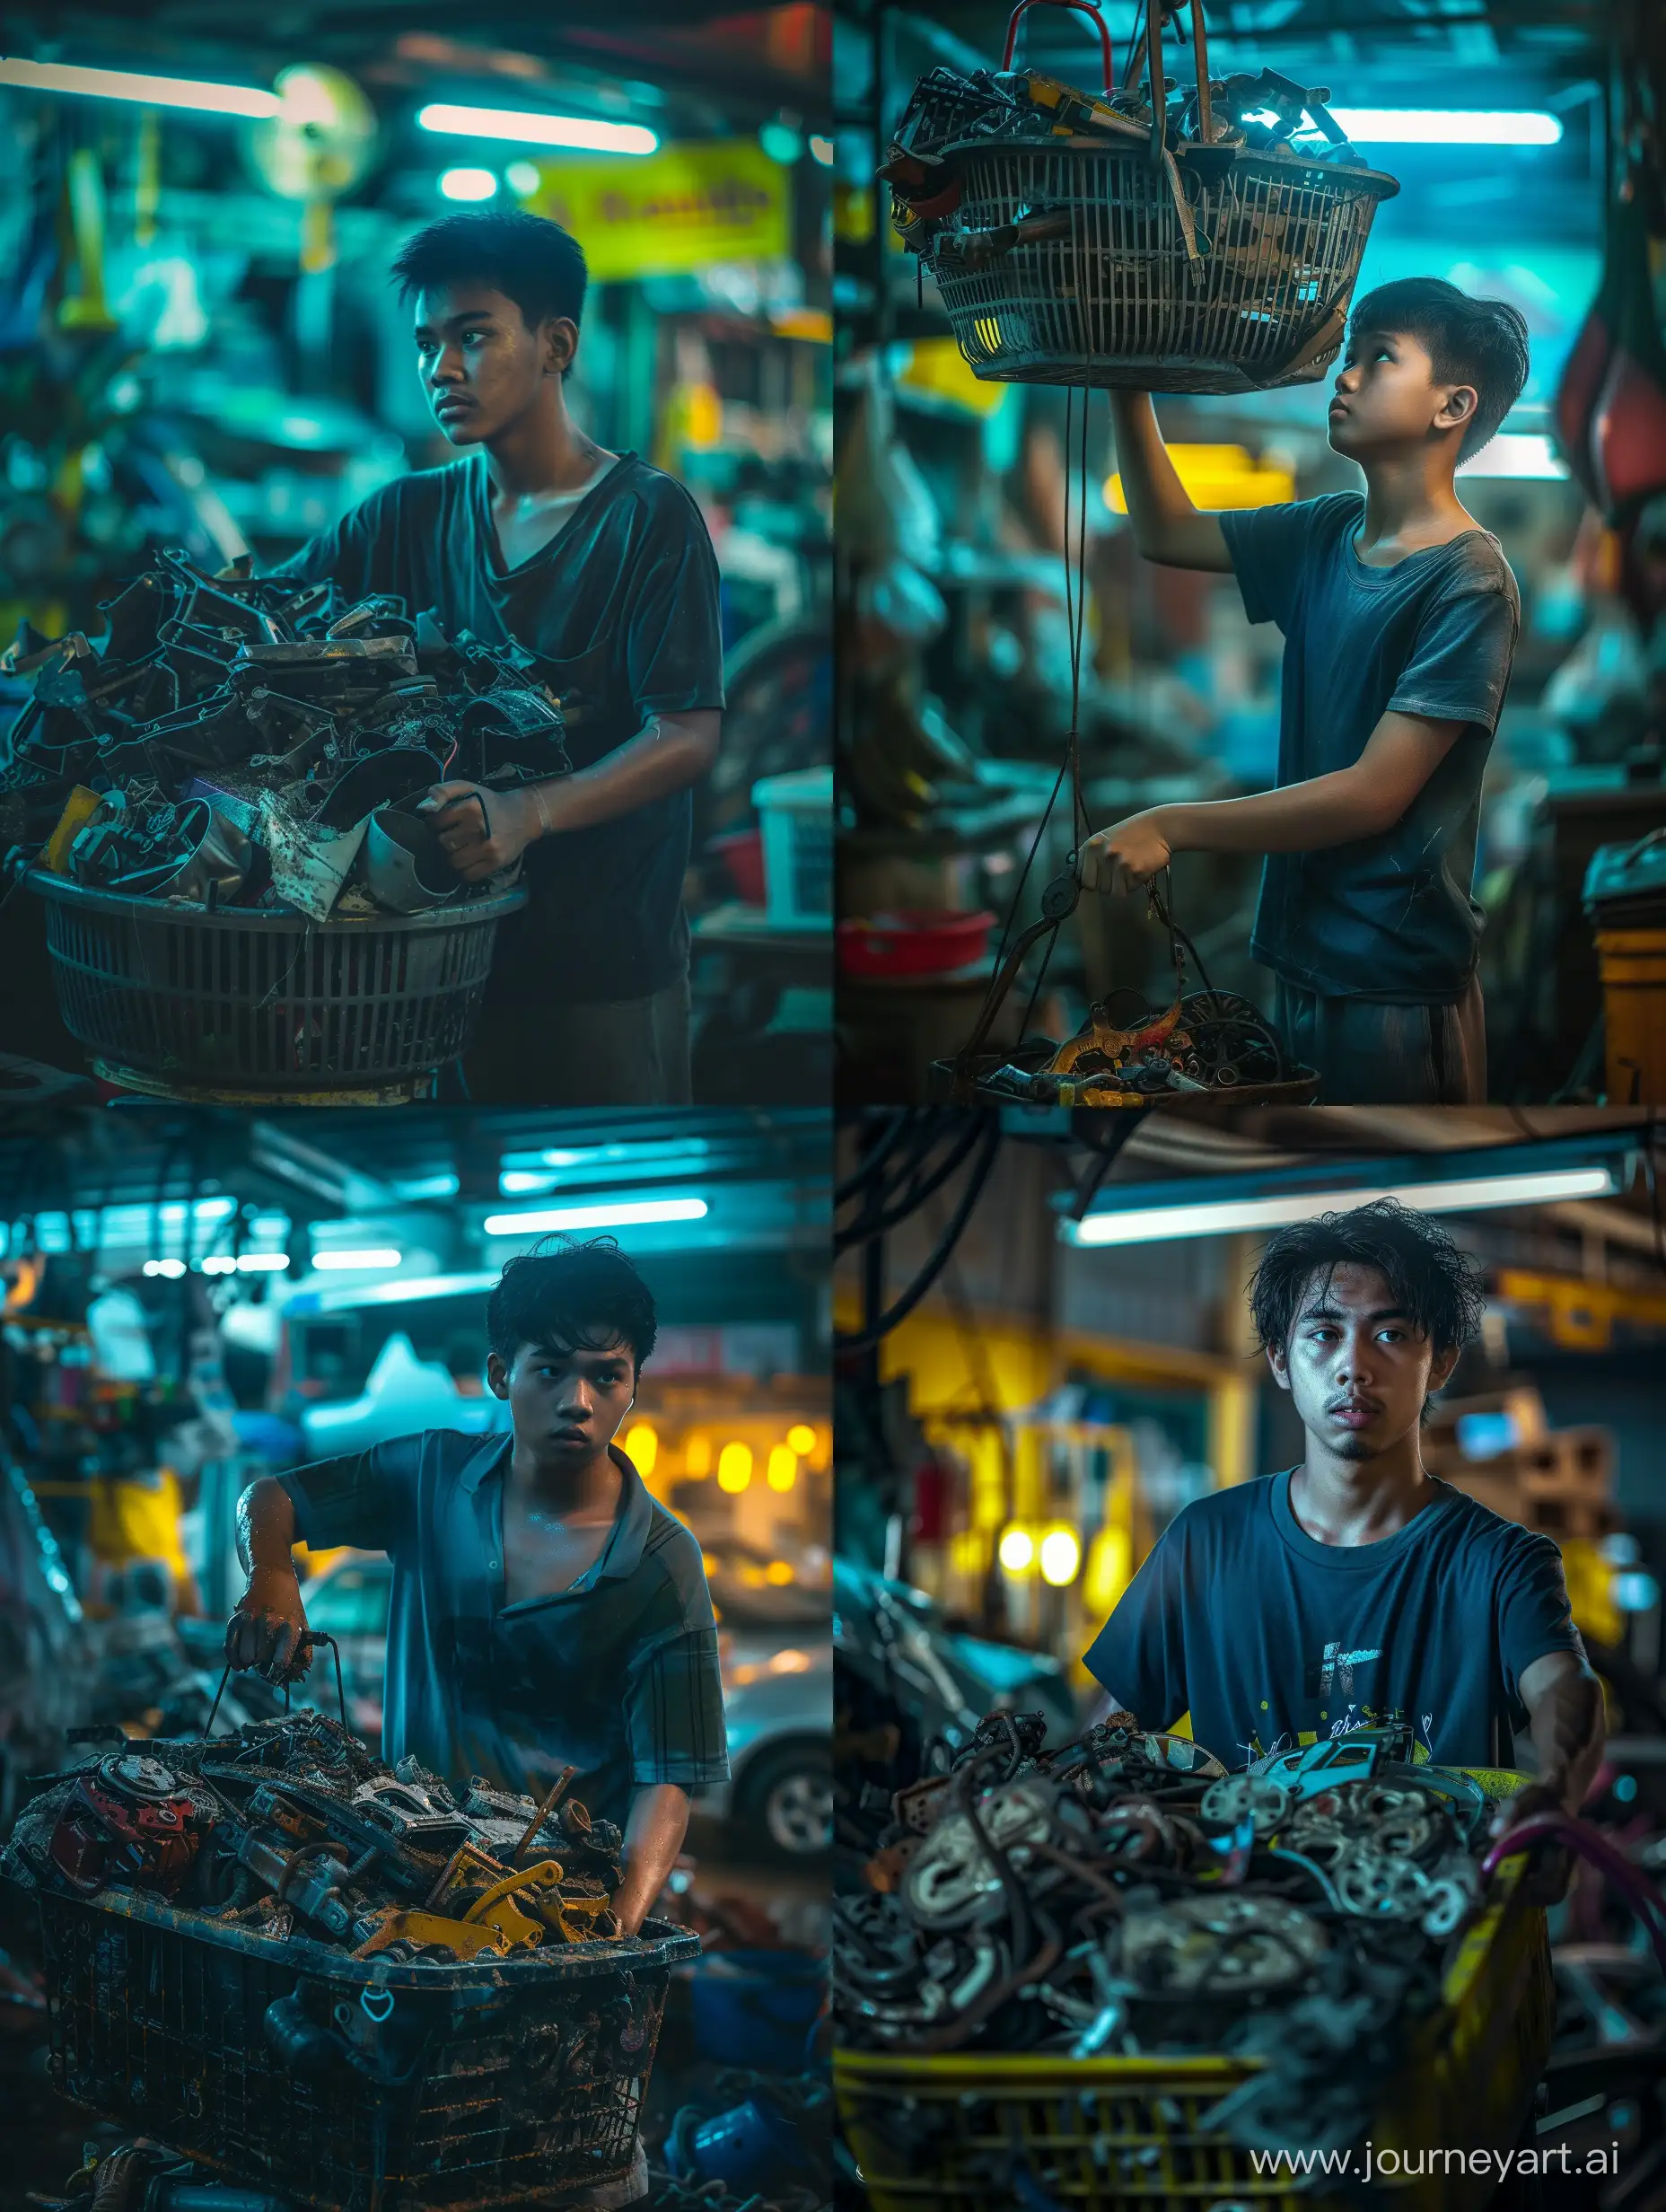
(275, 702)
(291, 1827)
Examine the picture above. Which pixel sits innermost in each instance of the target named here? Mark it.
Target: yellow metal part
(79, 808)
(432, 1927)
(1118, 1045)
(497, 1909)
(1581, 1315)
(579, 1919)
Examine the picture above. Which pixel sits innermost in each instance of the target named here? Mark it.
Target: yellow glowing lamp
(641, 1448)
(802, 1438)
(734, 1467)
(1219, 476)
(778, 1573)
(937, 369)
(783, 1470)
(1061, 1555)
(697, 1457)
(1017, 1550)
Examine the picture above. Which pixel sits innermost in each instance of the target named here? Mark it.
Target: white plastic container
(796, 813)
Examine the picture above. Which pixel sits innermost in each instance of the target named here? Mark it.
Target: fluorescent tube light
(580, 131)
(467, 184)
(1515, 453)
(52, 77)
(1156, 1224)
(378, 1256)
(1449, 126)
(628, 1214)
(262, 1263)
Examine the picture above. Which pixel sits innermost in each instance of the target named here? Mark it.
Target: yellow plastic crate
(1122, 2133)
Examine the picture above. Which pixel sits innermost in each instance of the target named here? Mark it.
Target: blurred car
(774, 1646)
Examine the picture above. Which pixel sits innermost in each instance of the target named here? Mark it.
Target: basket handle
(1157, 12)
(1085, 7)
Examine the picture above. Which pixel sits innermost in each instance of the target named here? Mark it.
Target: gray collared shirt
(617, 1676)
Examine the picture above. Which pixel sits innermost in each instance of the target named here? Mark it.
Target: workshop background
(1526, 140)
(1044, 1352)
(192, 1299)
(199, 348)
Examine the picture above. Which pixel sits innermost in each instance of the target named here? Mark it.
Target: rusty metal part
(552, 1798)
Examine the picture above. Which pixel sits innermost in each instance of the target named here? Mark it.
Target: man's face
(1385, 398)
(481, 368)
(1358, 1370)
(566, 1406)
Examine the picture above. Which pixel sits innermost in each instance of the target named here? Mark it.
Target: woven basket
(1199, 268)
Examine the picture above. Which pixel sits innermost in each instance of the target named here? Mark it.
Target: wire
(881, 1224)
(864, 1340)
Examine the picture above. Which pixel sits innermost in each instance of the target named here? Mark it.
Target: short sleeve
(1534, 1615)
(1139, 1655)
(367, 1500)
(1269, 547)
(343, 554)
(674, 648)
(1460, 664)
(674, 1711)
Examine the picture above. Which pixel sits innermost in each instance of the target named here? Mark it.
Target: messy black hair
(1478, 342)
(1434, 1283)
(528, 260)
(576, 1296)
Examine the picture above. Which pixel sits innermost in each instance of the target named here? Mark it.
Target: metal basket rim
(190, 915)
(1314, 173)
(541, 1967)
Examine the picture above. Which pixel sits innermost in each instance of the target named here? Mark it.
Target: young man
(1400, 616)
(546, 1612)
(1320, 1599)
(601, 566)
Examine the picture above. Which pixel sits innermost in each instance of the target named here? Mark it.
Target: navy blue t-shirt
(1271, 1639)
(621, 611)
(1389, 917)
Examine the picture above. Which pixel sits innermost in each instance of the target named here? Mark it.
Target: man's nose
(575, 1402)
(1353, 1362)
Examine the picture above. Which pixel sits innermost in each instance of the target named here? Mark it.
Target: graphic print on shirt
(1333, 1670)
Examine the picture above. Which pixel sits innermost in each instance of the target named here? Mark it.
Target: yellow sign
(676, 210)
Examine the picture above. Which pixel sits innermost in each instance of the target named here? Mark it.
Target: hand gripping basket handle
(1084, 7)
(1157, 14)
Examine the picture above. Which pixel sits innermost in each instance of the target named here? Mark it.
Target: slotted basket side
(1117, 302)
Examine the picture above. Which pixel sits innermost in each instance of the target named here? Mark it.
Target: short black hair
(531, 260)
(1478, 342)
(578, 1296)
(1434, 1283)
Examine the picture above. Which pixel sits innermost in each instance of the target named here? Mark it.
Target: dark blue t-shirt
(1271, 1639)
(621, 610)
(1389, 917)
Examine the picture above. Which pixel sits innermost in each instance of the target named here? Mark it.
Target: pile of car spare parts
(290, 1829)
(1207, 239)
(249, 742)
(1125, 1894)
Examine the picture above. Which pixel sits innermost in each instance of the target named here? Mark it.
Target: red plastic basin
(912, 941)
(741, 851)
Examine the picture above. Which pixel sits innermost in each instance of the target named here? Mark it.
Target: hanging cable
(864, 1340)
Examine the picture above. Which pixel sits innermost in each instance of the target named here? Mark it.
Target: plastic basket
(450, 2086)
(267, 1003)
(1198, 267)
(986, 2132)
(796, 813)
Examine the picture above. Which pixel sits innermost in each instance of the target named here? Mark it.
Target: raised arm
(267, 1630)
(1167, 527)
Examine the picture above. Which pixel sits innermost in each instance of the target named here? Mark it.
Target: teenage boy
(601, 566)
(1400, 617)
(1320, 1599)
(546, 1611)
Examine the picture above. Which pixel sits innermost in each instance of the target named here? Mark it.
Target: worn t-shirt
(1390, 917)
(618, 1676)
(1271, 1639)
(621, 611)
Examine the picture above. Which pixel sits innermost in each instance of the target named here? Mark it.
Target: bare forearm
(1326, 810)
(1150, 484)
(669, 755)
(266, 1526)
(653, 1833)
(1569, 1729)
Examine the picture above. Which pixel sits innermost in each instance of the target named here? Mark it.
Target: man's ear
(1280, 1365)
(497, 1375)
(560, 345)
(1459, 406)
